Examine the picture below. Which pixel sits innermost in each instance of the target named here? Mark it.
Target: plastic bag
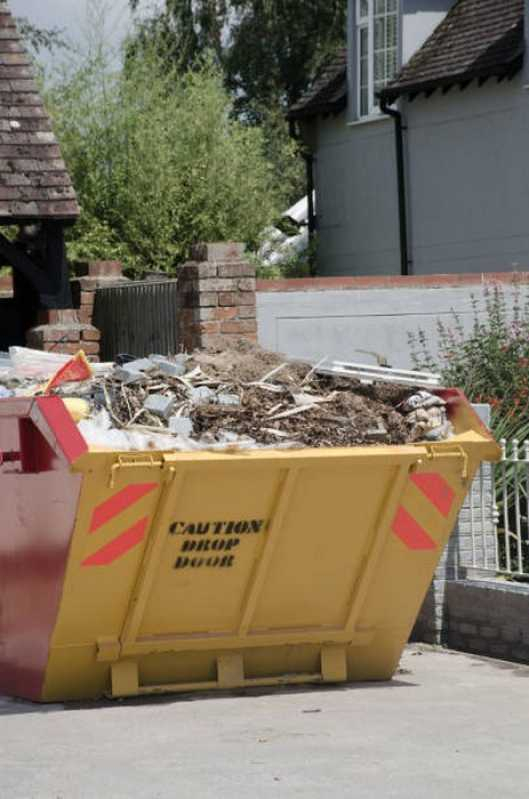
(35, 364)
(76, 370)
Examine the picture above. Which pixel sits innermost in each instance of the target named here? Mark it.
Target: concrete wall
(467, 183)
(338, 318)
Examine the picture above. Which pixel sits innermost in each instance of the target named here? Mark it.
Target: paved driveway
(450, 725)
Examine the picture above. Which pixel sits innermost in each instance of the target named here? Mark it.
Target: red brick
(90, 347)
(226, 313)
(70, 349)
(85, 315)
(55, 316)
(217, 251)
(216, 284)
(236, 270)
(238, 326)
(87, 298)
(228, 298)
(247, 284)
(208, 327)
(207, 299)
(247, 312)
(247, 298)
(52, 334)
(91, 334)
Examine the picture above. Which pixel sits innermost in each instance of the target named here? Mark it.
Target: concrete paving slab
(449, 726)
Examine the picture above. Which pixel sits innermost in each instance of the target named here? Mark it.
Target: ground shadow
(14, 707)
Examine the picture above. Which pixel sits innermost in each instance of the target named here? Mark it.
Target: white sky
(70, 15)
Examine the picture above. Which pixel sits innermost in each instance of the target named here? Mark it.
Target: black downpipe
(309, 163)
(401, 180)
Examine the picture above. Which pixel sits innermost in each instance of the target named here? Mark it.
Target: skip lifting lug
(434, 453)
(133, 462)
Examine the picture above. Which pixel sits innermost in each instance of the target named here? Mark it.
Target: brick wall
(68, 331)
(488, 618)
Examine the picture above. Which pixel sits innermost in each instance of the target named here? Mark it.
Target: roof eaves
(391, 93)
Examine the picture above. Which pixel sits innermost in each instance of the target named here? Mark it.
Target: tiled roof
(34, 180)
(476, 39)
(328, 94)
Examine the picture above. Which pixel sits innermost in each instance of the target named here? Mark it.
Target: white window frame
(363, 23)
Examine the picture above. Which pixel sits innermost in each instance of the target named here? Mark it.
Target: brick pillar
(90, 276)
(218, 297)
(61, 331)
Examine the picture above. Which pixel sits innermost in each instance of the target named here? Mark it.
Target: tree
(268, 49)
(183, 31)
(278, 46)
(41, 38)
(159, 162)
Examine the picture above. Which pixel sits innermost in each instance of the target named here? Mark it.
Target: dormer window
(377, 32)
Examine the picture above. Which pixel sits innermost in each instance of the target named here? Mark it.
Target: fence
(138, 319)
(499, 515)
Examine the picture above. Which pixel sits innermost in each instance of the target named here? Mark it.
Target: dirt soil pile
(246, 397)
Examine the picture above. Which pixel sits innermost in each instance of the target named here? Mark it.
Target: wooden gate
(138, 319)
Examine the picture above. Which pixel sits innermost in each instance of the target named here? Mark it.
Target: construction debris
(237, 398)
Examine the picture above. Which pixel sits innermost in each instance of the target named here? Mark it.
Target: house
(37, 198)
(419, 136)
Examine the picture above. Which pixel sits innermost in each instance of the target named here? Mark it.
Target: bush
(159, 162)
(491, 362)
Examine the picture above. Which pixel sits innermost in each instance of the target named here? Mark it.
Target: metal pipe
(309, 163)
(405, 262)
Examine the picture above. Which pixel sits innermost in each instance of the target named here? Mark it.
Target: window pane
(391, 64)
(380, 6)
(364, 43)
(364, 102)
(391, 31)
(364, 72)
(391, 5)
(380, 34)
(380, 67)
(364, 8)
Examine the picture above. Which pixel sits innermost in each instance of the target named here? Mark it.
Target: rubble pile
(240, 397)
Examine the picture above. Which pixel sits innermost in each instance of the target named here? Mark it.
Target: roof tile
(476, 39)
(34, 181)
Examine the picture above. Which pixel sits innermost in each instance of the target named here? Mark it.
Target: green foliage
(277, 46)
(182, 31)
(490, 362)
(159, 162)
(268, 51)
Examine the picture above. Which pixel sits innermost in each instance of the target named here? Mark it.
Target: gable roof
(34, 180)
(477, 39)
(328, 94)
